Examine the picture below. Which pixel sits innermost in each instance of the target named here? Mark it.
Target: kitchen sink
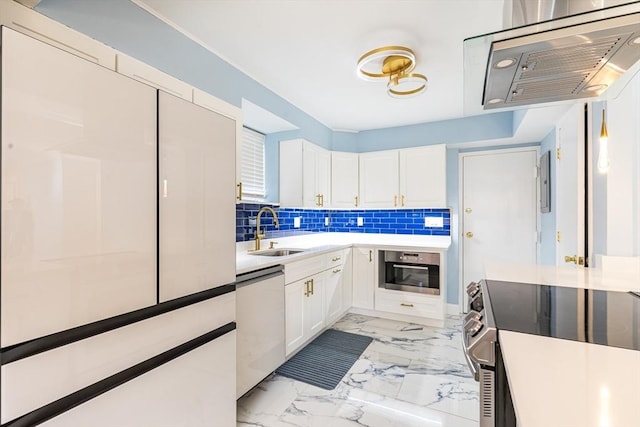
(276, 252)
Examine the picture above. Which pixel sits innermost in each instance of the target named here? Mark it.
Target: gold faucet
(275, 223)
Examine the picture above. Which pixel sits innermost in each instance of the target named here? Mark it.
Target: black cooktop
(600, 317)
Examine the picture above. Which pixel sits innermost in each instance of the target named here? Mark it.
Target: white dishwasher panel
(260, 327)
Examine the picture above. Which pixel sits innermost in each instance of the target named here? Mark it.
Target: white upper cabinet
(304, 174)
(379, 179)
(38, 26)
(411, 177)
(423, 177)
(344, 180)
(79, 183)
(212, 103)
(147, 74)
(197, 193)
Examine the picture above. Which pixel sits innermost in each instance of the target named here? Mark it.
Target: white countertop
(317, 243)
(557, 382)
(570, 276)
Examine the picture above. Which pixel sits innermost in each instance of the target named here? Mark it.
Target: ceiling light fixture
(396, 64)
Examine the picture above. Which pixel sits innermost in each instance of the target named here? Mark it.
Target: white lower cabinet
(333, 294)
(314, 296)
(191, 390)
(364, 277)
(304, 310)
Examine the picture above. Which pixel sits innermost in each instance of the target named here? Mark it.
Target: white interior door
(569, 209)
(498, 210)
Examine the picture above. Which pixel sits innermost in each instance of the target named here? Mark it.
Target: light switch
(360, 221)
(296, 222)
(434, 221)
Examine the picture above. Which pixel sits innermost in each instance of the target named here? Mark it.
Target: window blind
(252, 172)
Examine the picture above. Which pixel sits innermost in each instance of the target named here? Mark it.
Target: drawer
(335, 259)
(35, 381)
(410, 304)
(297, 270)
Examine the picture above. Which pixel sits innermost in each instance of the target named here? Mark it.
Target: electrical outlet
(360, 221)
(433, 221)
(326, 221)
(296, 222)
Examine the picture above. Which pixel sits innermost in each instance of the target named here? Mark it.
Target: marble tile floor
(410, 375)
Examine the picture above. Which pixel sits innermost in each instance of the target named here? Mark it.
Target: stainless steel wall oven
(410, 271)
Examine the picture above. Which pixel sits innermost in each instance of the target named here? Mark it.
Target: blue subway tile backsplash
(388, 221)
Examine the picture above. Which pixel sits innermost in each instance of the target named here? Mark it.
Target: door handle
(573, 259)
(370, 256)
(404, 304)
(469, 235)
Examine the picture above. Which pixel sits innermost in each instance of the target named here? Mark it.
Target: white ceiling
(306, 50)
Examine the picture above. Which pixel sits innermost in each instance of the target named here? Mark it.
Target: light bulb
(603, 155)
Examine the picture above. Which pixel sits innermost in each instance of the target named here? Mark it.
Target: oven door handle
(413, 267)
(472, 366)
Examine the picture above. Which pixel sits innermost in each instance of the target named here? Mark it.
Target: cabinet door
(344, 180)
(323, 176)
(379, 179)
(294, 303)
(314, 306)
(310, 195)
(212, 103)
(195, 389)
(197, 193)
(333, 295)
(347, 280)
(364, 277)
(291, 173)
(78, 191)
(147, 74)
(423, 177)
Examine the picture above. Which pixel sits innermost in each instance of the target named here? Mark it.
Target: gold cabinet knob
(469, 234)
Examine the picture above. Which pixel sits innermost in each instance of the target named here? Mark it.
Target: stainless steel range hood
(561, 59)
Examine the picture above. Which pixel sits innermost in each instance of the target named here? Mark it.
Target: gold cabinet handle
(402, 200)
(322, 200)
(404, 304)
(370, 256)
(239, 186)
(573, 259)
(356, 201)
(334, 259)
(307, 290)
(469, 235)
(311, 286)
(337, 270)
(395, 201)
